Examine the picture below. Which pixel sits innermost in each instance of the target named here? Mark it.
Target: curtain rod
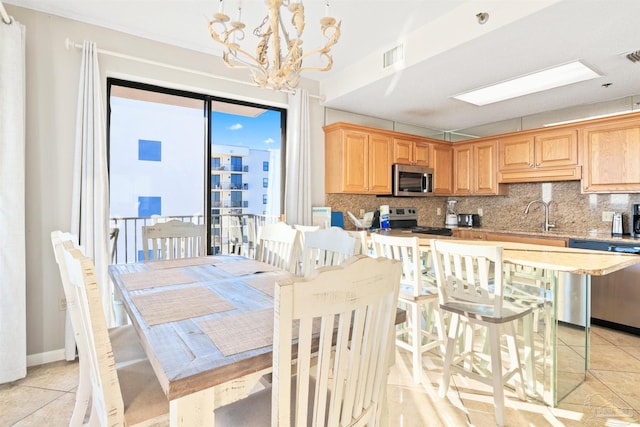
(4, 14)
(71, 44)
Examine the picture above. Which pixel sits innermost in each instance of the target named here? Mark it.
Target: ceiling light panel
(550, 78)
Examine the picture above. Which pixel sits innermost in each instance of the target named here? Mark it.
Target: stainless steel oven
(413, 181)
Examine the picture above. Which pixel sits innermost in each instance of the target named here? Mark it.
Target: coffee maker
(634, 228)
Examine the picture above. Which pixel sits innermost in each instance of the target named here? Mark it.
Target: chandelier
(278, 59)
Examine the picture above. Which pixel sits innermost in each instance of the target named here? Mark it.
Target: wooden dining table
(206, 325)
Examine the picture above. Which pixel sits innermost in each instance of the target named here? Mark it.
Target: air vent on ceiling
(392, 56)
(634, 56)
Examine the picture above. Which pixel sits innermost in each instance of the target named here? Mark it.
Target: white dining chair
(345, 317)
(362, 247)
(173, 239)
(128, 394)
(278, 245)
(419, 294)
(326, 246)
(471, 288)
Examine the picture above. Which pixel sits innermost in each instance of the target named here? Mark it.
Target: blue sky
(262, 132)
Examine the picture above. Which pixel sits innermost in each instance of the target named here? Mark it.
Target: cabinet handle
(537, 164)
(530, 165)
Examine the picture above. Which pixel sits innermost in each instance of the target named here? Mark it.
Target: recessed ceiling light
(550, 78)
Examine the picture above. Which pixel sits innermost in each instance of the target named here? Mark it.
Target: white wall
(52, 88)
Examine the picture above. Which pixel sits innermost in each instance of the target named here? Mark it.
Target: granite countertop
(562, 234)
(577, 261)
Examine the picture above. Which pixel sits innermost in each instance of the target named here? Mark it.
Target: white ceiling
(446, 50)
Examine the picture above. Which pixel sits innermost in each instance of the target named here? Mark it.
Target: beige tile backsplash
(570, 210)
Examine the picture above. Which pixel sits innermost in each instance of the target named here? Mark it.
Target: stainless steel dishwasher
(615, 297)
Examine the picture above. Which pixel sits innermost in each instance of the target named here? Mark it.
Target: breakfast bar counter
(562, 349)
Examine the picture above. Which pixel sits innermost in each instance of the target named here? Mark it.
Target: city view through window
(164, 164)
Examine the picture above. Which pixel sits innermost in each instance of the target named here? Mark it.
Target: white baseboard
(46, 357)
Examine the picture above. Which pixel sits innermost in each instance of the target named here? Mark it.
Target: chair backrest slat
(406, 250)
(173, 239)
(469, 272)
(327, 246)
(277, 244)
(346, 319)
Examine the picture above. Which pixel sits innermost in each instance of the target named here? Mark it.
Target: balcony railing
(231, 168)
(232, 232)
(230, 186)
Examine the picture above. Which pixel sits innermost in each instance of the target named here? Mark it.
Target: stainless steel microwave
(410, 180)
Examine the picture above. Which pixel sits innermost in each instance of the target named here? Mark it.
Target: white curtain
(90, 209)
(13, 331)
(297, 195)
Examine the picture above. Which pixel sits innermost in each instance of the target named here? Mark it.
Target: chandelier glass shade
(279, 56)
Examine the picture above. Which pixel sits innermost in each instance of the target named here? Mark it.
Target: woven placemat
(246, 331)
(181, 262)
(178, 304)
(246, 266)
(154, 279)
(266, 282)
(240, 332)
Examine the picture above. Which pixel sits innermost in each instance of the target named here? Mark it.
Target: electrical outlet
(438, 211)
(361, 213)
(607, 216)
(480, 211)
(62, 304)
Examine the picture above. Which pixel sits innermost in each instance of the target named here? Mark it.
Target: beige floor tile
(612, 358)
(634, 351)
(570, 335)
(18, 402)
(615, 337)
(60, 375)
(576, 415)
(56, 413)
(623, 384)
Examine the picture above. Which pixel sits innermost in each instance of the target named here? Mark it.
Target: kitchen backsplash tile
(570, 210)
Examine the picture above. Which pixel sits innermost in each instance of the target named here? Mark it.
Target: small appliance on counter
(616, 224)
(468, 220)
(451, 218)
(634, 219)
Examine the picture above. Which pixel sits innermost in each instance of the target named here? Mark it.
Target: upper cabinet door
(403, 150)
(379, 164)
(411, 152)
(356, 165)
(516, 152)
(611, 157)
(556, 148)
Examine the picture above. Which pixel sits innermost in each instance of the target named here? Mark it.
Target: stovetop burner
(440, 231)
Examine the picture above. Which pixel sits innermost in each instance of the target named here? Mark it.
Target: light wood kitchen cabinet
(357, 160)
(411, 152)
(441, 162)
(469, 234)
(611, 157)
(525, 238)
(543, 155)
(474, 169)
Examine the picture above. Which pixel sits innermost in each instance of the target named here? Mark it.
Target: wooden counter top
(570, 260)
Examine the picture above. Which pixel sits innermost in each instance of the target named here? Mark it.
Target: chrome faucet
(547, 225)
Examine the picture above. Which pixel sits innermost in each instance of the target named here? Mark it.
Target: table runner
(160, 307)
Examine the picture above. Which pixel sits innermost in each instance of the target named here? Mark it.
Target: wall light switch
(438, 211)
(361, 213)
(607, 216)
(480, 211)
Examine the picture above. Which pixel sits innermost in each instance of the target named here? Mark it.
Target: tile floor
(609, 397)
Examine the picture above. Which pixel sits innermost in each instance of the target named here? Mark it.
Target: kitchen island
(562, 350)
